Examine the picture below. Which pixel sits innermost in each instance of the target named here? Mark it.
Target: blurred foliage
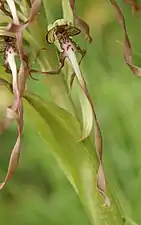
(39, 192)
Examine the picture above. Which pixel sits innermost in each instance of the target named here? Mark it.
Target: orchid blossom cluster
(59, 34)
(16, 62)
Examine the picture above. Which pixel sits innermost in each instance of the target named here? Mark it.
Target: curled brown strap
(82, 25)
(127, 45)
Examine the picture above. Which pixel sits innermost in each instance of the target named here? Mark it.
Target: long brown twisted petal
(17, 109)
(127, 46)
(17, 89)
(82, 25)
(15, 155)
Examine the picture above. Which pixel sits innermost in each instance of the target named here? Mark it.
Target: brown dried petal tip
(127, 45)
(82, 25)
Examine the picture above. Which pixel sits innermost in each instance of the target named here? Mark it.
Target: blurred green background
(39, 193)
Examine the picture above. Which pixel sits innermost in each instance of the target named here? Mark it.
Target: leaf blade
(78, 161)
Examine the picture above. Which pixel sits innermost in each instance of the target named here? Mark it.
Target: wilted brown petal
(17, 104)
(18, 81)
(101, 185)
(82, 25)
(127, 46)
(13, 112)
(15, 155)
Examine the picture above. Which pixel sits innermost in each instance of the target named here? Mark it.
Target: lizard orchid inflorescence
(61, 33)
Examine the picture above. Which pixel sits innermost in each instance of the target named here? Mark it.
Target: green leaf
(78, 160)
(59, 114)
